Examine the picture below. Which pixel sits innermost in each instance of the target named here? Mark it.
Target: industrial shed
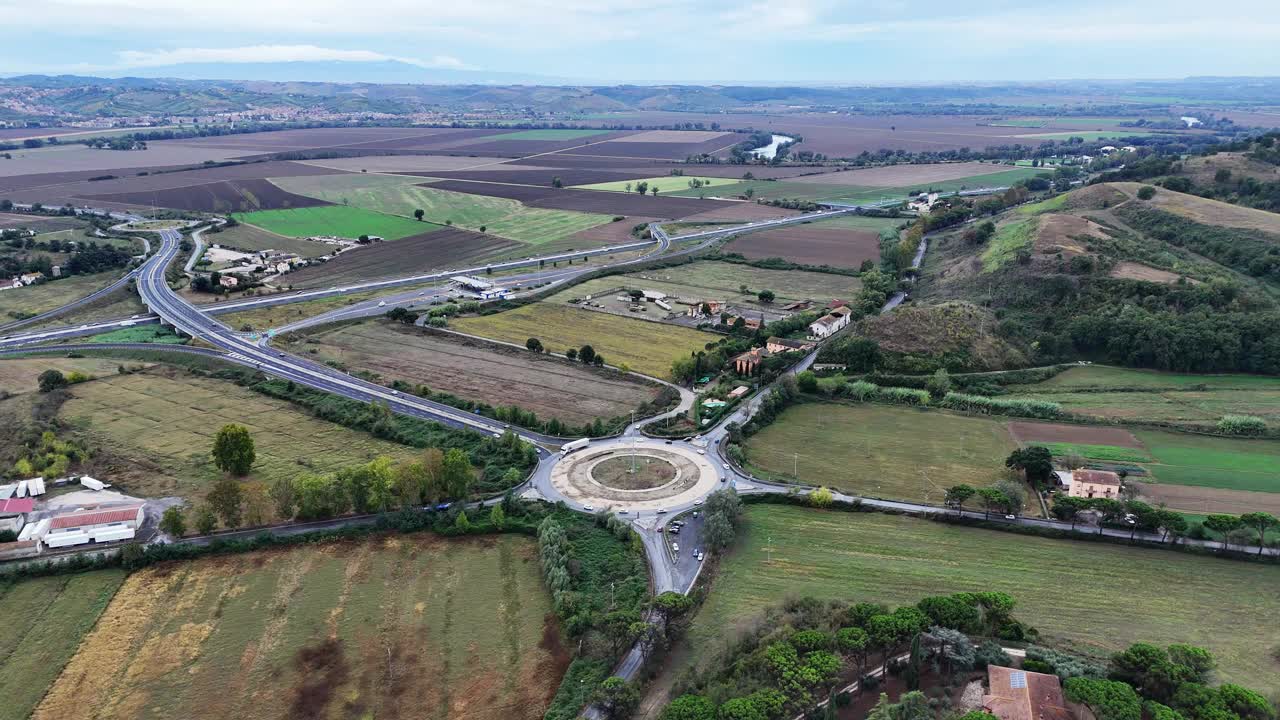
(98, 525)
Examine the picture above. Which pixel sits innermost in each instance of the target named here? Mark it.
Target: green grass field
(395, 626)
(552, 134)
(1093, 597)
(645, 347)
(141, 334)
(1091, 135)
(1184, 459)
(251, 239)
(1105, 376)
(45, 620)
(860, 222)
(400, 196)
(1122, 394)
(777, 189)
(1113, 453)
(711, 280)
(35, 299)
(159, 426)
(348, 222)
(666, 184)
(1008, 241)
(879, 451)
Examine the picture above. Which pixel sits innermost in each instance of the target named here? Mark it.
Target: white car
(701, 451)
(382, 303)
(395, 392)
(726, 466)
(662, 511)
(134, 317)
(698, 501)
(588, 508)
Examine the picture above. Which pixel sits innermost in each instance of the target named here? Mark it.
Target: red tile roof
(16, 505)
(1095, 477)
(1022, 695)
(85, 518)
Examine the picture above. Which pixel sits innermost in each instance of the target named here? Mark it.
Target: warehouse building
(97, 525)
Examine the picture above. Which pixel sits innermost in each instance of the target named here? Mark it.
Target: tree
(224, 498)
(820, 498)
(284, 498)
(255, 503)
(1223, 525)
(533, 344)
(1036, 462)
(456, 472)
(587, 354)
(910, 706)
(173, 522)
(1261, 522)
(233, 450)
(205, 519)
(418, 214)
(765, 296)
(992, 499)
(1069, 508)
(498, 516)
(51, 380)
(1146, 192)
(1108, 699)
(689, 707)
(616, 698)
(958, 495)
(807, 381)
(571, 353)
(939, 384)
(462, 523)
(556, 182)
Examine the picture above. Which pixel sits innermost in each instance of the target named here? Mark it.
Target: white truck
(574, 445)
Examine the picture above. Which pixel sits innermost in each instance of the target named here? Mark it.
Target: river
(770, 150)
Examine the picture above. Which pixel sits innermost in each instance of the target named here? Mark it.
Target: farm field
(667, 206)
(1204, 210)
(401, 196)
(140, 334)
(483, 372)
(19, 375)
(348, 222)
(785, 552)
(550, 134)
(252, 239)
(1089, 135)
(274, 316)
(877, 451)
(664, 183)
(45, 620)
(395, 626)
(1228, 463)
(438, 249)
(645, 347)
(793, 188)
(219, 196)
(1113, 393)
(810, 244)
(35, 299)
(121, 303)
(711, 280)
(157, 427)
(910, 174)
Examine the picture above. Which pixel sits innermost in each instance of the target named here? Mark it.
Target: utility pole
(795, 466)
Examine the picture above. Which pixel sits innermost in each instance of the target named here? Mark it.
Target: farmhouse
(781, 345)
(738, 392)
(705, 308)
(830, 324)
(1094, 483)
(748, 362)
(1021, 695)
(31, 278)
(96, 525)
(228, 281)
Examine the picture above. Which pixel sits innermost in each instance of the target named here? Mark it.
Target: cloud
(271, 54)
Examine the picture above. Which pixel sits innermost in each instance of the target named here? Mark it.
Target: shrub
(1146, 192)
(1242, 425)
(1001, 406)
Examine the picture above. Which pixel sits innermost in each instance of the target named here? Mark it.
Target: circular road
(667, 476)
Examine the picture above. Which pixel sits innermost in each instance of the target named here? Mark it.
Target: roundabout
(635, 476)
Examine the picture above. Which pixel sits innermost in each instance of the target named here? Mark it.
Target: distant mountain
(337, 71)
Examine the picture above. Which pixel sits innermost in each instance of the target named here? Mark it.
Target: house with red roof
(94, 525)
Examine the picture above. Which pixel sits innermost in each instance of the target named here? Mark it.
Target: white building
(831, 323)
(13, 513)
(97, 525)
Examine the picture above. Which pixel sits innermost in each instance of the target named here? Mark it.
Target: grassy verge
(1080, 595)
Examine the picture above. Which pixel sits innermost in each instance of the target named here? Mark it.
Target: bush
(1001, 406)
(1242, 425)
(1146, 192)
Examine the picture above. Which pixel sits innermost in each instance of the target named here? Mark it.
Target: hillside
(1175, 282)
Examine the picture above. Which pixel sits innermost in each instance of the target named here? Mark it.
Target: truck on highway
(574, 445)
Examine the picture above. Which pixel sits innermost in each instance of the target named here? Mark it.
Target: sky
(845, 42)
